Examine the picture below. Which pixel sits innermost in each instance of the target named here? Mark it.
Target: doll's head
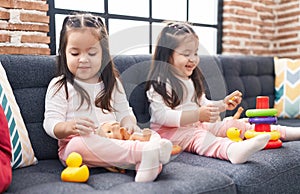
(113, 130)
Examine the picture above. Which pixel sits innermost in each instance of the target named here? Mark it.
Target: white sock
(165, 150)
(292, 133)
(239, 152)
(150, 166)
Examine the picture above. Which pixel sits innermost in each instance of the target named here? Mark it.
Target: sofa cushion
(29, 77)
(22, 152)
(174, 178)
(134, 72)
(267, 171)
(5, 153)
(253, 76)
(287, 87)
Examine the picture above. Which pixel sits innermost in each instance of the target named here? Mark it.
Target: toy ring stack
(262, 117)
(261, 120)
(261, 112)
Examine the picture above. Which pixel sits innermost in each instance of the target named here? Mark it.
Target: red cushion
(5, 153)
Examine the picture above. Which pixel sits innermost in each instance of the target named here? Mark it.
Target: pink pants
(207, 139)
(98, 151)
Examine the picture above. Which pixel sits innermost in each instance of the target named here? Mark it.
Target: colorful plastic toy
(234, 134)
(263, 120)
(261, 112)
(275, 135)
(74, 172)
(262, 117)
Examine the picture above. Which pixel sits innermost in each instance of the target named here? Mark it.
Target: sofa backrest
(29, 77)
(134, 70)
(252, 75)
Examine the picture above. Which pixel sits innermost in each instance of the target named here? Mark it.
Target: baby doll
(115, 131)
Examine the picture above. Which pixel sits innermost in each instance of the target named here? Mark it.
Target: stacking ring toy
(275, 135)
(263, 120)
(270, 112)
(274, 144)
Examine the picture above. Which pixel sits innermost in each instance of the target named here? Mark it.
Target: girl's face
(185, 57)
(84, 55)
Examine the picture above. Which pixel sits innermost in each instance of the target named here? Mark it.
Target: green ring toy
(270, 112)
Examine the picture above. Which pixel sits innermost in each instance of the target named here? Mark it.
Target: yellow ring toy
(275, 135)
(270, 112)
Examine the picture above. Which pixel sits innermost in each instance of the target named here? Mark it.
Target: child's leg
(239, 152)
(287, 133)
(104, 152)
(148, 169)
(220, 128)
(164, 143)
(207, 144)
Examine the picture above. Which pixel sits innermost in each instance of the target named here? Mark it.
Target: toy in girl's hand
(234, 133)
(115, 131)
(74, 172)
(238, 113)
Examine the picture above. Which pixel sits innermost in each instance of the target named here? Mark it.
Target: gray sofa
(268, 171)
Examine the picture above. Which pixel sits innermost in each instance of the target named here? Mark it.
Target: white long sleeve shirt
(59, 109)
(163, 115)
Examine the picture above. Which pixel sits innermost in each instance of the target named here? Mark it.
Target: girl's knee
(75, 145)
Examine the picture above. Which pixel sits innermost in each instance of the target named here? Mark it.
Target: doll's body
(115, 131)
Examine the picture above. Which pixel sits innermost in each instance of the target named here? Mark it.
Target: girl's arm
(55, 108)
(55, 121)
(164, 115)
(208, 113)
(230, 102)
(78, 126)
(160, 113)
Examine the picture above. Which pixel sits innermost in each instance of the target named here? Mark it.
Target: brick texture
(252, 27)
(24, 25)
(268, 27)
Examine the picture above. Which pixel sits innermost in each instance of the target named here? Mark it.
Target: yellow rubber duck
(234, 133)
(74, 172)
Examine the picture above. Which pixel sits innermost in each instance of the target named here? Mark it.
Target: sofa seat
(176, 177)
(268, 171)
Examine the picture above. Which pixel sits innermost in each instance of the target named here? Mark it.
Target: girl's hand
(129, 122)
(131, 128)
(82, 126)
(78, 126)
(209, 113)
(233, 99)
